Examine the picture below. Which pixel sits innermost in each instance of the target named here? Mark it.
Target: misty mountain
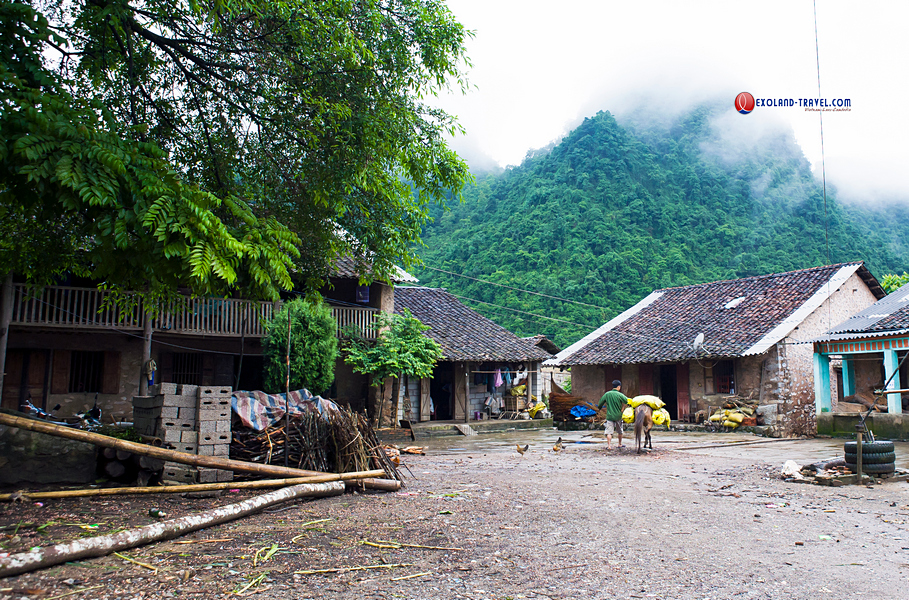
(615, 211)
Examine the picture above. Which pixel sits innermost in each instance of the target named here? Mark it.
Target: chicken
(523, 449)
(558, 446)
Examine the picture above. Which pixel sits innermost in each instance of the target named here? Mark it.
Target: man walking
(614, 400)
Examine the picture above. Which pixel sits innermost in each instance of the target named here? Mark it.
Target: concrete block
(147, 402)
(215, 414)
(181, 447)
(171, 435)
(146, 426)
(179, 473)
(182, 401)
(214, 450)
(212, 439)
(189, 437)
(146, 413)
(207, 427)
(163, 388)
(169, 412)
(214, 475)
(768, 412)
(222, 426)
(187, 413)
(181, 424)
(215, 391)
(189, 390)
(215, 403)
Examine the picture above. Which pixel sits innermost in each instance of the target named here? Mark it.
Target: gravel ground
(486, 523)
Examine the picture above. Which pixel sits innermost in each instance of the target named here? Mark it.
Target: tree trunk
(146, 353)
(212, 462)
(106, 544)
(6, 316)
(395, 402)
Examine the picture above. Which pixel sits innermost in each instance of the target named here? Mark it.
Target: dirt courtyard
(485, 523)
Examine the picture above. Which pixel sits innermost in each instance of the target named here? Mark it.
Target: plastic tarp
(582, 411)
(258, 410)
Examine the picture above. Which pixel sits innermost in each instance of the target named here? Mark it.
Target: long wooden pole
(102, 545)
(356, 477)
(211, 462)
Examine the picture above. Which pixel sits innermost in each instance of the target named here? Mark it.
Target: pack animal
(643, 423)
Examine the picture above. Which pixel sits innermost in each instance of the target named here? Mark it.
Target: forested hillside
(612, 213)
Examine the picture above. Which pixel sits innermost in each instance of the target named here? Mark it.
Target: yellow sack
(732, 424)
(535, 409)
(628, 415)
(521, 390)
(661, 417)
(718, 417)
(651, 401)
(736, 416)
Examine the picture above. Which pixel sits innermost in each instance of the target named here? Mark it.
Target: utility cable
(516, 289)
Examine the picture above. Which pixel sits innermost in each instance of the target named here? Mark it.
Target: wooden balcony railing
(81, 308)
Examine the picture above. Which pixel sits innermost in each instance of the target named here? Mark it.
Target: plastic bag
(661, 417)
(651, 401)
(533, 410)
(628, 415)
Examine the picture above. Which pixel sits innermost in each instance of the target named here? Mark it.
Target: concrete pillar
(822, 383)
(894, 404)
(848, 376)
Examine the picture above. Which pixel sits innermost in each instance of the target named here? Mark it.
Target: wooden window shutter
(165, 372)
(110, 379)
(60, 373)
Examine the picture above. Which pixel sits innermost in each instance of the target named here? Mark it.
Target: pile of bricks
(188, 418)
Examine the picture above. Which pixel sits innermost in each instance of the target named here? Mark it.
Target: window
(86, 371)
(723, 377)
(187, 368)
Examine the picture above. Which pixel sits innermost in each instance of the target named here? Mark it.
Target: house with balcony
(67, 347)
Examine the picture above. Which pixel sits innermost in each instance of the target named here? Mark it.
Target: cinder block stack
(189, 418)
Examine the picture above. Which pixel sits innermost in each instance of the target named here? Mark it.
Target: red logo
(744, 103)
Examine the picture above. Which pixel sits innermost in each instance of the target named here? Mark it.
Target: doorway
(669, 389)
(441, 392)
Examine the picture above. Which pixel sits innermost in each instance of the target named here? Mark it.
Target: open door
(424, 399)
(683, 392)
(460, 391)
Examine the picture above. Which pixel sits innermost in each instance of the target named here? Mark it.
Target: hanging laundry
(498, 379)
(508, 377)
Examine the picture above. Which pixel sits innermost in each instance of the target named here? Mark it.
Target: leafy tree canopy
(224, 143)
(401, 349)
(892, 282)
(313, 347)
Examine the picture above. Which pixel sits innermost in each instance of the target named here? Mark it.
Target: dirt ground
(486, 523)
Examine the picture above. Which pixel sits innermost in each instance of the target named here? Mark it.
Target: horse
(643, 423)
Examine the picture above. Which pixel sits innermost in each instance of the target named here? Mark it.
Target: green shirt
(614, 400)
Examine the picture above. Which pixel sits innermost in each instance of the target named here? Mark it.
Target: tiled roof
(348, 267)
(889, 314)
(543, 342)
(464, 334)
(737, 317)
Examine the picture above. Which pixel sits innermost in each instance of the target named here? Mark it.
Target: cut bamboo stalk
(386, 485)
(212, 462)
(40, 558)
(201, 487)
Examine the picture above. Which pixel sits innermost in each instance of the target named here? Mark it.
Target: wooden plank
(682, 389)
(110, 375)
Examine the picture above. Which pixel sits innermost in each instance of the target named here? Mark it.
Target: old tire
(869, 447)
(873, 469)
(872, 458)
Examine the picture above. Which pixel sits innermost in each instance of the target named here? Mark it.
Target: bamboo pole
(211, 462)
(386, 485)
(40, 558)
(364, 477)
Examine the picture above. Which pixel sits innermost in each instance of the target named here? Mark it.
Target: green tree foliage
(613, 212)
(212, 144)
(401, 349)
(892, 282)
(313, 347)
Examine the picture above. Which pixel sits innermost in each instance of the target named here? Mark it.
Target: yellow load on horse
(651, 401)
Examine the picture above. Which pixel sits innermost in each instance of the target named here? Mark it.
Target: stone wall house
(861, 355)
(756, 336)
(474, 348)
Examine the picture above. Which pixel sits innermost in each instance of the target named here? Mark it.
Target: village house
(65, 349)
(856, 358)
(475, 352)
(694, 345)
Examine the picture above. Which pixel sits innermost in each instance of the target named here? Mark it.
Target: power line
(523, 312)
(517, 289)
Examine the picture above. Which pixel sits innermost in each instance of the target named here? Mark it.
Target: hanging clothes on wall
(498, 378)
(508, 377)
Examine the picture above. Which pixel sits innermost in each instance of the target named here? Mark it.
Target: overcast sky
(541, 67)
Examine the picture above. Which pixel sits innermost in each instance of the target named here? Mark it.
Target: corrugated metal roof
(890, 312)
